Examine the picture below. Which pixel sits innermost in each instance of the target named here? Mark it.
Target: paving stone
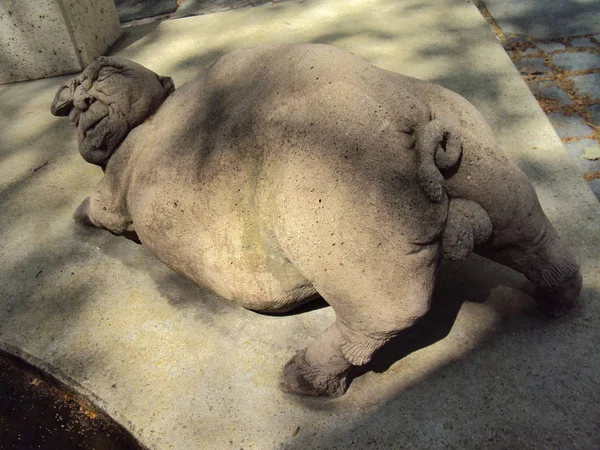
(530, 66)
(588, 84)
(583, 42)
(531, 51)
(577, 60)
(555, 93)
(576, 149)
(595, 186)
(551, 47)
(534, 87)
(569, 126)
(594, 110)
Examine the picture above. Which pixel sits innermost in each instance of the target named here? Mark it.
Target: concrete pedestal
(52, 37)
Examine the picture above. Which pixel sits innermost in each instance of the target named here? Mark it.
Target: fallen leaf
(591, 153)
(592, 176)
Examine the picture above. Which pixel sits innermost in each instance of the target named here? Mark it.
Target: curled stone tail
(437, 148)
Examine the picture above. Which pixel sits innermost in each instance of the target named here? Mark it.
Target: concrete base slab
(184, 369)
(542, 19)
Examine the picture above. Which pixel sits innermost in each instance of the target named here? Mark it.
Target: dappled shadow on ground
(541, 19)
(459, 57)
(131, 35)
(509, 380)
(522, 388)
(179, 291)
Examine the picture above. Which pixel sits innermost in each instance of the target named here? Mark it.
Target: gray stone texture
(594, 111)
(595, 187)
(52, 37)
(551, 47)
(582, 43)
(531, 66)
(543, 19)
(588, 85)
(129, 10)
(569, 126)
(531, 51)
(554, 92)
(577, 60)
(577, 149)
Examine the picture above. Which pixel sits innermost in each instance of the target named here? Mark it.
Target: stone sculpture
(285, 172)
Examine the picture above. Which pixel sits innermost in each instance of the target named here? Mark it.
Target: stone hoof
(300, 378)
(558, 302)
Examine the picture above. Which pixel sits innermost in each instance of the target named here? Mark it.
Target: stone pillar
(44, 38)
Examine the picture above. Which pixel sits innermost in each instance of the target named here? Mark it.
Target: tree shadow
(131, 35)
(545, 20)
(530, 382)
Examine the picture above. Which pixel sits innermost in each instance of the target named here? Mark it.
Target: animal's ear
(63, 100)
(167, 83)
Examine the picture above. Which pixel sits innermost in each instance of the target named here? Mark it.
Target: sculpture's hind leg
(546, 261)
(381, 302)
(368, 239)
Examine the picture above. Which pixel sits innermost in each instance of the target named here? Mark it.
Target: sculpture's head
(110, 98)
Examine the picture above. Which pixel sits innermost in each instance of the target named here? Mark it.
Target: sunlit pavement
(181, 368)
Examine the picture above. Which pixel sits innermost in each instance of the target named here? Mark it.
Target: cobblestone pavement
(564, 76)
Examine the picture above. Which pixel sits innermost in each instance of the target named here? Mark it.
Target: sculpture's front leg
(83, 216)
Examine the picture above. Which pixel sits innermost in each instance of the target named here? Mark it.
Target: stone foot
(299, 377)
(559, 301)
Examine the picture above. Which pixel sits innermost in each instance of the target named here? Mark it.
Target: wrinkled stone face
(110, 97)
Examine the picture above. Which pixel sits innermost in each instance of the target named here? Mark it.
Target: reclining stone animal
(285, 172)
